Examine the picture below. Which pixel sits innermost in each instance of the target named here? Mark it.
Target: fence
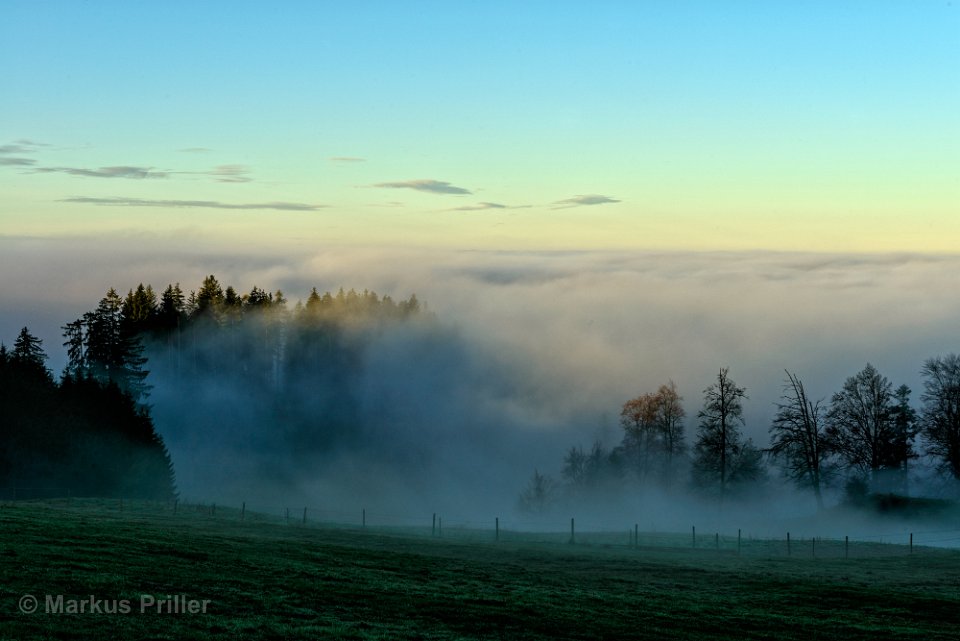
(514, 530)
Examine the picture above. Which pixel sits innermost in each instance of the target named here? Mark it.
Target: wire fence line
(513, 529)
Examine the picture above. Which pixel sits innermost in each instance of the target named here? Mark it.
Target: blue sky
(686, 125)
(720, 176)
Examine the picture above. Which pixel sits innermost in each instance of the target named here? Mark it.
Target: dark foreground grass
(270, 580)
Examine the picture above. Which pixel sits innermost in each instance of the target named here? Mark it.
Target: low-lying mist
(520, 356)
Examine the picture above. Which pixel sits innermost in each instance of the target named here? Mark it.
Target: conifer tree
(28, 350)
(114, 353)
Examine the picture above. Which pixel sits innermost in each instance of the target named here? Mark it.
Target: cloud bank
(537, 351)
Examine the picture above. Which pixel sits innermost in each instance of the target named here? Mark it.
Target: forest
(237, 362)
(91, 432)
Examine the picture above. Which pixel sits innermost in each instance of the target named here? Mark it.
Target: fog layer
(528, 354)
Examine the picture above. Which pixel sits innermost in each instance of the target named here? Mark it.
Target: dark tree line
(249, 376)
(80, 436)
(865, 436)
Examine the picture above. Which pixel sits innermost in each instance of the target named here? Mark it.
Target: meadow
(265, 577)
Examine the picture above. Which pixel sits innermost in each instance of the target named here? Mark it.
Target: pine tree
(209, 298)
(114, 353)
(905, 426)
(171, 308)
(76, 345)
(139, 310)
(28, 350)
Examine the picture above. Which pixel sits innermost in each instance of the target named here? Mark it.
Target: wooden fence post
(788, 544)
(572, 538)
(738, 541)
(363, 517)
(846, 547)
(694, 530)
(433, 528)
(497, 526)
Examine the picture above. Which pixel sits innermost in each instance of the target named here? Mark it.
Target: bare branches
(798, 439)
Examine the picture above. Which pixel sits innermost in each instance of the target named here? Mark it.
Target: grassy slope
(273, 580)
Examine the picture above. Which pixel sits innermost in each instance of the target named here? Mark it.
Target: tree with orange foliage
(653, 431)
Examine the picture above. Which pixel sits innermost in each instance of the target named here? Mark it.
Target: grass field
(268, 579)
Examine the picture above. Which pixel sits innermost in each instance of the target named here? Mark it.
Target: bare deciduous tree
(638, 420)
(940, 416)
(539, 493)
(721, 456)
(798, 438)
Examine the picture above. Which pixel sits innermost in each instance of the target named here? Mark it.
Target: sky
(599, 197)
(814, 126)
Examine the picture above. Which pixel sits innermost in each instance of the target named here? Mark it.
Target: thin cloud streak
(427, 185)
(480, 207)
(17, 162)
(180, 204)
(346, 159)
(124, 171)
(229, 174)
(220, 173)
(584, 200)
(22, 147)
(14, 149)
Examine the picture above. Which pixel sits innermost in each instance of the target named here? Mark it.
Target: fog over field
(527, 353)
